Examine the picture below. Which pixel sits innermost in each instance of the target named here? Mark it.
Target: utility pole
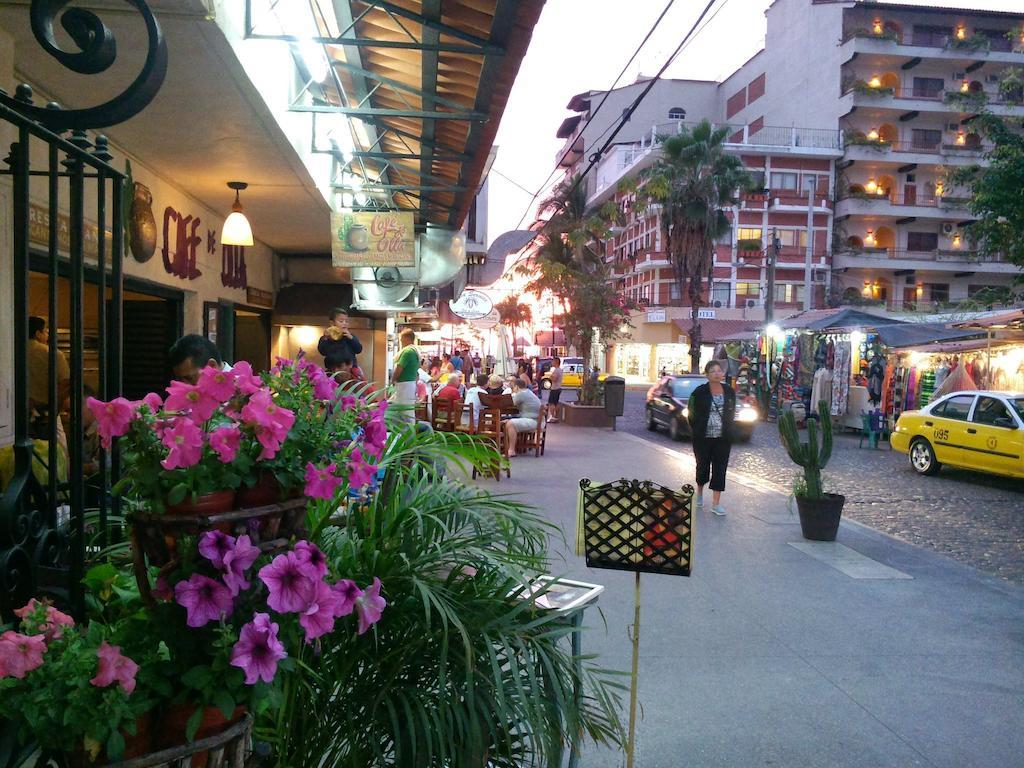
(808, 258)
(772, 254)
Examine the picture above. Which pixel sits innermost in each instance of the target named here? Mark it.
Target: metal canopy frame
(402, 119)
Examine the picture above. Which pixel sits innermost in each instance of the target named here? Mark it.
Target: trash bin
(614, 395)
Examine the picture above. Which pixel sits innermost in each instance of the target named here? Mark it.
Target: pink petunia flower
(191, 399)
(348, 593)
(214, 545)
(360, 472)
(114, 667)
(20, 654)
(216, 383)
(112, 419)
(204, 599)
(260, 409)
(321, 483)
(308, 552)
(291, 582)
(184, 442)
(258, 650)
(224, 441)
(162, 589)
(153, 401)
(369, 606)
(51, 625)
(323, 385)
(375, 435)
(245, 380)
(318, 619)
(237, 562)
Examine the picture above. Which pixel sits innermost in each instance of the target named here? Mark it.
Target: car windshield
(1018, 406)
(683, 388)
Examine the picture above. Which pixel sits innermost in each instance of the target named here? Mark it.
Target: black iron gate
(62, 183)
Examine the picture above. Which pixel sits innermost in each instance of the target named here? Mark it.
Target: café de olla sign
(471, 305)
(488, 321)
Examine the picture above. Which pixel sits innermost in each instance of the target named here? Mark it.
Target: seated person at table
(473, 396)
(451, 390)
(529, 413)
(495, 386)
(340, 362)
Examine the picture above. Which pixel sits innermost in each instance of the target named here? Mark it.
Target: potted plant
(588, 410)
(820, 512)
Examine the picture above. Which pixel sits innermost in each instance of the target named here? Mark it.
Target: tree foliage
(693, 182)
(515, 315)
(569, 263)
(997, 191)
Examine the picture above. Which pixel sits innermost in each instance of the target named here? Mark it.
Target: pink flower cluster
(22, 653)
(205, 599)
(189, 407)
(322, 482)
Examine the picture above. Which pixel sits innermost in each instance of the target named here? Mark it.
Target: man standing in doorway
(38, 354)
(555, 394)
(338, 339)
(405, 373)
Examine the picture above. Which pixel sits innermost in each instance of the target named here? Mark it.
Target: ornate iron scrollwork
(97, 52)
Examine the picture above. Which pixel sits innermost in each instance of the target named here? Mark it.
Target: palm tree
(570, 234)
(515, 315)
(693, 182)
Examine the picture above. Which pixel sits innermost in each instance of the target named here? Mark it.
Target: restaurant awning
(715, 330)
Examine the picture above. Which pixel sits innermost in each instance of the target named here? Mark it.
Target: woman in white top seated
(529, 406)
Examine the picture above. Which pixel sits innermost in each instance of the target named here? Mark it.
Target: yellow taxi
(981, 430)
(573, 371)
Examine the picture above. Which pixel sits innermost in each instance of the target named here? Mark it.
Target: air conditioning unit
(948, 228)
(953, 126)
(819, 275)
(717, 304)
(959, 75)
(751, 303)
(992, 79)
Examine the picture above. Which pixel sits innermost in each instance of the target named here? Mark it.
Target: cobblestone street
(974, 518)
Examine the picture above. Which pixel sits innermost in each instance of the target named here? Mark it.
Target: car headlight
(686, 412)
(747, 415)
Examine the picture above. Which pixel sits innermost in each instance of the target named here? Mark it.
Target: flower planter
(207, 504)
(134, 746)
(819, 518)
(175, 721)
(575, 415)
(266, 491)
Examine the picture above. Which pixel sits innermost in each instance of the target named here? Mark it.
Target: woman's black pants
(712, 454)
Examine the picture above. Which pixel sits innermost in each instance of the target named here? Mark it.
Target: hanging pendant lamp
(236, 227)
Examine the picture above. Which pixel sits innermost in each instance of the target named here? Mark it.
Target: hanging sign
(488, 321)
(705, 314)
(656, 316)
(471, 305)
(373, 239)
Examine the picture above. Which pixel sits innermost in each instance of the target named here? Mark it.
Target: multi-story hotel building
(853, 115)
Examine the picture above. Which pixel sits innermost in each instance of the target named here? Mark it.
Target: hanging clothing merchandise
(822, 389)
(830, 355)
(876, 376)
(910, 400)
(941, 373)
(957, 381)
(841, 379)
(927, 388)
(821, 354)
(887, 387)
(807, 360)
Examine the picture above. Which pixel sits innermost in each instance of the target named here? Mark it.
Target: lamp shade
(236, 230)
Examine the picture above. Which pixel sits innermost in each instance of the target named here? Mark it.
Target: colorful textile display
(841, 379)
(958, 380)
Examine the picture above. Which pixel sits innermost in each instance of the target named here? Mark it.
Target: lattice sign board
(637, 525)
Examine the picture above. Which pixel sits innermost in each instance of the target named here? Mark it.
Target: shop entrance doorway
(240, 332)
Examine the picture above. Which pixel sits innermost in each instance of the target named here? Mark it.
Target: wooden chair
(467, 421)
(534, 439)
(446, 415)
(502, 402)
(421, 412)
(492, 428)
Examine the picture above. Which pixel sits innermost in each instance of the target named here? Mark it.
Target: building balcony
(940, 260)
(928, 46)
(904, 151)
(788, 201)
(894, 206)
(894, 95)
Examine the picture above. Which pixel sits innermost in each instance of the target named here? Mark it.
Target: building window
(789, 294)
(792, 237)
(928, 87)
(720, 295)
(748, 233)
(784, 181)
(922, 138)
(930, 35)
(938, 292)
(748, 290)
(922, 241)
(677, 113)
(756, 179)
(673, 291)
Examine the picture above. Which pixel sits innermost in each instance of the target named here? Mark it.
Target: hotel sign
(373, 239)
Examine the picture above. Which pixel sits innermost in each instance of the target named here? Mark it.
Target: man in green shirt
(405, 373)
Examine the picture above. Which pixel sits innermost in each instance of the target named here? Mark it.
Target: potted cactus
(819, 511)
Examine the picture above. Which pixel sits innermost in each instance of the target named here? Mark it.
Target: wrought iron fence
(46, 503)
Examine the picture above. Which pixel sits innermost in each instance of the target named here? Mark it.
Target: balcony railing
(926, 39)
(767, 136)
(947, 145)
(938, 255)
(917, 200)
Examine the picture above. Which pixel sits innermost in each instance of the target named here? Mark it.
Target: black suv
(666, 407)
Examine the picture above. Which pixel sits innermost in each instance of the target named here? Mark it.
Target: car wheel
(649, 420)
(546, 384)
(675, 430)
(745, 437)
(922, 458)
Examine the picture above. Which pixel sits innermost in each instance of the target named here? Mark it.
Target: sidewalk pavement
(867, 653)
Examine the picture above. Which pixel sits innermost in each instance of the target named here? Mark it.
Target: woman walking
(710, 412)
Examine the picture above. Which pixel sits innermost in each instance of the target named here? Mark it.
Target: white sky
(580, 45)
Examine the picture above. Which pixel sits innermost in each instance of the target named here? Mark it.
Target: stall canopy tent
(904, 335)
(834, 319)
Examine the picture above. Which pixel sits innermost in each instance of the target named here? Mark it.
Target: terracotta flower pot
(134, 746)
(207, 504)
(175, 720)
(266, 491)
